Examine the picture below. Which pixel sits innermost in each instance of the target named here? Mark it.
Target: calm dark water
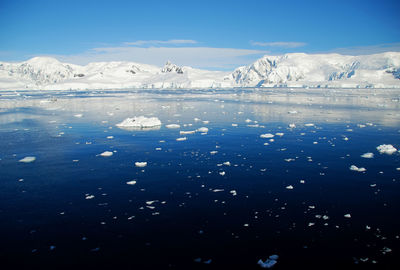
(190, 209)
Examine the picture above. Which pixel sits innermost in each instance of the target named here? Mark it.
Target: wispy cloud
(360, 50)
(199, 57)
(161, 42)
(281, 44)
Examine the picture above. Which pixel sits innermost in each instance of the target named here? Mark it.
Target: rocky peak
(169, 67)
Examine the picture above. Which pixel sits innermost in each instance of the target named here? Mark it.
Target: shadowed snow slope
(289, 70)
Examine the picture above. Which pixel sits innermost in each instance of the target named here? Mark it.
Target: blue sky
(207, 34)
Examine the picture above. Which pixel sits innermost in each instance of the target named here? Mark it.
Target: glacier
(289, 70)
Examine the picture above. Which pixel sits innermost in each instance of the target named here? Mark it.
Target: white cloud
(360, 50)
(199, 57)
(280, 44)
(161, 42)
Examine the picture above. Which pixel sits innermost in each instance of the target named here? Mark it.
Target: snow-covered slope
(321, 70)
(292, 70)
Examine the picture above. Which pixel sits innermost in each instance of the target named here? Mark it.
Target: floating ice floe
(355, 168)
(213, 152)
(279, 134)
(173, 126)
(347, 216)
(141, 164)
(386, 149)
(227, 163)
(133, 182)
(27, 159)
(139, 122)
(289, 187)
(267, 136)
(222, 173)
(181, 139)
(270, 262)
(233, 192)
(89, 197)
(367, 155)
(187, 132)
(110, 137)
(106, 154)
(202, 129)
(309, 125)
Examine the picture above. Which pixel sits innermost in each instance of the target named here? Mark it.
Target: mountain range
(289, 70)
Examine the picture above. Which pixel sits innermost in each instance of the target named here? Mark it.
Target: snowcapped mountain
(321, 70)
(289, 70)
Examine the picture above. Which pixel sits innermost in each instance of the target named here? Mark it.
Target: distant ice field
(214, 179)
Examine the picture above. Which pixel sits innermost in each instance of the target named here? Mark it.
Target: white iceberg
(182, 132)
(140, 164)
(139, 122)
(106, 154)
(202, 129)
(27, 159)
(386, 149)
(355, 168)
(367, 155)
(133, 182)
(267, 136)
(173, 126)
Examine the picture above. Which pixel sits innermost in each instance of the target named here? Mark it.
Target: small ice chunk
(110, 137)
(79, 115)
(89, 197)
(202, 129)
(355, 168)
(173, 126)
(205, 122)
(309, 125)
(133, 182)
(292, 112)
(151, 202)
(347, 216)
(208, 261)
(267, 136)
(367, 155)
(267, 264)
(248, 120)
(289, 187)
(213, 152)
(292, 125)
(279, 134)
(234, 125)
(140, 122)
(27, 159)
(187, 132)
(218, 190)
(222, 173)
(106, 154)
(386, 149)
(181, 139)
(227, 163)
(141, 164)
(233, 192)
